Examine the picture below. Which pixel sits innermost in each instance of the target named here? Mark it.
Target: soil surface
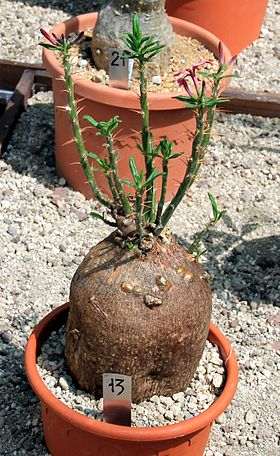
(185, 52)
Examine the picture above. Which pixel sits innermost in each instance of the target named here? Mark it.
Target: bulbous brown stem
(116, 18)
(147, 317)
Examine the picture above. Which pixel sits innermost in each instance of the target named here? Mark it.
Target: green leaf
(148, 42)
(136, 29)
(51, 47)
(146, 39)
(191, 106)
(152, 176)
(98, 216)
(222, 100)
(214, 102)
(176, 155)
(199, 253)
(166, 148)
(91, 120)
(206, 74)
(113, 124)
(138, 145)
(105, 128)
(214, 206)
(149, 46)
(102, 163)
(149, 57)
(131, 184)
(184, 98)
(130, 41)
(221, 214)
(231, 76)
(134, 170)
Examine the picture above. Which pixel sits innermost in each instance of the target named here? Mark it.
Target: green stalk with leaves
(195, 247)
(64, 45)
(139, 210)
(107, 129)
(142, 50)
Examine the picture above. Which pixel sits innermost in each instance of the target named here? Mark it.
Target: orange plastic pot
(236, 22)
(168, 116)
(68, 433)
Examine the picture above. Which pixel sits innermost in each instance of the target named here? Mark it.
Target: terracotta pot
(67, 432)
(236, 22)
(168, 116)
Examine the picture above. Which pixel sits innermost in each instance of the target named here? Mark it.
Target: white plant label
(120, 69)
(117, 399)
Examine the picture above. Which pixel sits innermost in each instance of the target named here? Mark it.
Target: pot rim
(126, 98)
(33, 347)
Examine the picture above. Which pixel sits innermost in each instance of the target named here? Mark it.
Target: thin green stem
(116, 179)
(202, 235)
(210, 115)
(149, 212)
(139, 216)
(111, 185)
(163, 191)
(78, 135)
(192, 169)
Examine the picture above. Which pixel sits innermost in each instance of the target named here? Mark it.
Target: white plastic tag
(117, 399)
(120, 69)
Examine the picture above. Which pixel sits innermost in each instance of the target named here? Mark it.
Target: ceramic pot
(168, 116)
(236, 22)
(70, 433)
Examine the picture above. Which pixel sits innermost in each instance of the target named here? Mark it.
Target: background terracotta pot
(70, 433)
(236, 22)
(168, 116)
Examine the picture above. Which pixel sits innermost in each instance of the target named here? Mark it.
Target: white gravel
(45, 231)
(203, 390)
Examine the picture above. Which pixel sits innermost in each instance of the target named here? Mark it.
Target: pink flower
(190, 73)
(50, 38)
(221, 56)
(61, 40)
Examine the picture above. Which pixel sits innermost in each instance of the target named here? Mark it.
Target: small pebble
(250, 417)
(7, 337)
(64, 384)
(218, 380)
(156, 80)
(62, 182)
(83, 63)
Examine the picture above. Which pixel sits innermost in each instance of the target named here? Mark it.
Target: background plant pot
(69, 433)
(168, 116)
(236, 22)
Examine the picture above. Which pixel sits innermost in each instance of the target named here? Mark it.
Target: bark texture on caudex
(145, 316)
(115, 19)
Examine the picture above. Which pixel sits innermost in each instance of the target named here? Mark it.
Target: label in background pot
(117, 399)
(120, 69)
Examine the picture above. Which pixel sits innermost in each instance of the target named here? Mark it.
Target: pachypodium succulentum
(136, 215)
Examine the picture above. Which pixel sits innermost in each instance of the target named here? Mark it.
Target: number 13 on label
(117, 386)
(117, 399)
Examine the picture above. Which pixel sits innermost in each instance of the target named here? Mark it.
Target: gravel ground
(45, 231)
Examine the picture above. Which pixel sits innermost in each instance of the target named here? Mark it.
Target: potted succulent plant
(228, 19)
(140, 304)
(167, 115)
